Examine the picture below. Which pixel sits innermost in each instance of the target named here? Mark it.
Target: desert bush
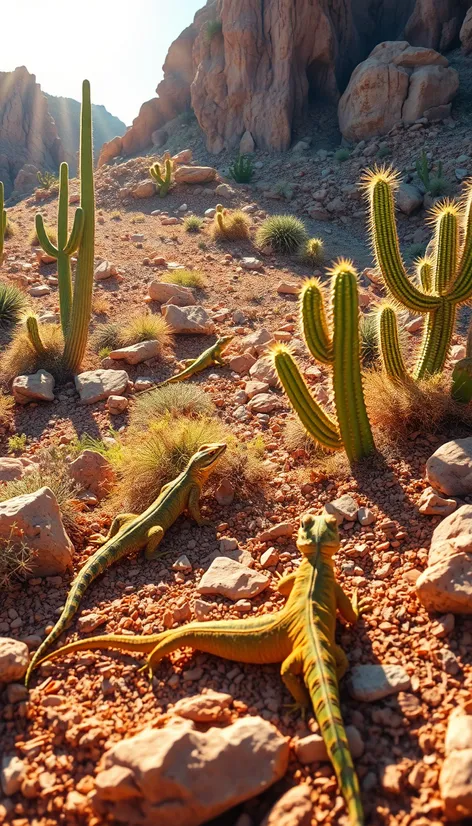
(17, 443)
(100, 304)
(242, 169)
(13, 303)
(20, 356)
(7, 405)
(230, 225)
(176, 400)
(185, 278)
(106, 336)
(146, 327)
(192, 223)
(47, 180)
(284, 233)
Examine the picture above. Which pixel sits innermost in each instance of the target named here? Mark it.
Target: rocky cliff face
(66, 115)
(260, 67)
(28, 134)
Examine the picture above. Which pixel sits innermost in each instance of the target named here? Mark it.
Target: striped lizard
(300, 636)
(213, 355)
(130, 532)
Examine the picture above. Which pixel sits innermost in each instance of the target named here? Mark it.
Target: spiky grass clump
(16, 559)
(368, 332)
(10, 229)
(192, 223)
(53, 472)
(51, 232)
(176, 400)
(20, 357)
(233, 226)
(152, 459)
(313, 252)
(100, 304)
(283, 233)
(7, 405)
(13, 303)
(398, 409)
(106, 336)
(146, 327)
(185, 278)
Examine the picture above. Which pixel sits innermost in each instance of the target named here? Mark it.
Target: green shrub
(47, 180)
(284, 233)
(213, 29)
(241, 170)
(13, 303)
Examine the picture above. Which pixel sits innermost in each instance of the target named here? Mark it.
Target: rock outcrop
(397, 82)
(28, 134)
(252, 73)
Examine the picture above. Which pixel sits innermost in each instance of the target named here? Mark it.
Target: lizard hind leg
(154, 538)
(118, 523)
(291, 671)
(342, 662)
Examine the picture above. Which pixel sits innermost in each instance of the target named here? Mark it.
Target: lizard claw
(296, 708)
(361, 606)
(146, 669)
(97, 539)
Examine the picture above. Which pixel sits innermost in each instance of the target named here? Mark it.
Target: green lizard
(300, 636)
(213, 355)
(131, 532)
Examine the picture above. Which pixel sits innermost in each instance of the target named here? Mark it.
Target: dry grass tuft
(13, 303)
(100, 304)
(15, 559)
(150, 460)
(20, 356)
(234, 225)
(10, 230)
(33, 239)
(398, 409)
(177, 400)
(146, 327)
(7, 405)
(185, 278)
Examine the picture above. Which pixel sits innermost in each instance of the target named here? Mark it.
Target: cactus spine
(446, 281)
(66, 246)
(341, 349)
(75, 311)
(3, 220)
(162, 176)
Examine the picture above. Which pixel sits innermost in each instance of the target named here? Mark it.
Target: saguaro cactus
(66, 245)
(341, 349)
(3, 220)
(75, 315)
(445, 281)
(162, 175)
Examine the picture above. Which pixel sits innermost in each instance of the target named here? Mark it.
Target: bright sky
(120, 47)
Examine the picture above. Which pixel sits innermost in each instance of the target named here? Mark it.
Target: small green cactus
(162, 176)
(445, 281)
(47, 180)
(341, 349)
(3, 220)
(242, 170)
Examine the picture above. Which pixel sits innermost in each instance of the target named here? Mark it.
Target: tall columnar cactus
(3, 220)
(75, 314)
(341, 349)
(445, 282)
(66, 245)
(389, 343)
(162, 175)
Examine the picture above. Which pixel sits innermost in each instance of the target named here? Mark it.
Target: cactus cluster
(75, 309)
(340, 348)
(241, 170)
(3, 220)
(444, 280)
(162, 175)
(230, 225)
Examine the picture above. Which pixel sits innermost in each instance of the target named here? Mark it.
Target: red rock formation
(28, 134)
(256, 73)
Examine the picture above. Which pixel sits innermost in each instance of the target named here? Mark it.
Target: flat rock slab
(39, 387)
(372, 682)
(14, 659)
(136, 353)
(172, 293)
(38, 518)
(229, 578)
(188, 320)
(194, 174)
(95, 385)
(178, 776)
(104, 270)
(449, 469)
(446, 584)
(11, 468)
(210, 707)
(344, 508)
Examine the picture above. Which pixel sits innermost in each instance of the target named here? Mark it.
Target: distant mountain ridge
(66, 115)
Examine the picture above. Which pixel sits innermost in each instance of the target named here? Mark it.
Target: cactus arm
(436, 340)
(34, 335)
(316, 422)
(462, 289)
(155, 172)
(76, 232)
(168, 178)
(425, 274)
(389, 341)
(351, 411)
(314, 323)
(387, 246)
(43, 239)
(446, 243)
(76, 339)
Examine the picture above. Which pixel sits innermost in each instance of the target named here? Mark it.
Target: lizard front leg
(285, 584)
(119, 522)
(154, 538)
(290, 671)
(193, 507)
(351, 611)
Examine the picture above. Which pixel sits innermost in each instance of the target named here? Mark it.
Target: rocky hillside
(66, 113)
(250, 69)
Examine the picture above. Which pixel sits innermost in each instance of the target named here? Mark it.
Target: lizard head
(224, 342)
(318, 534)
(206, 457)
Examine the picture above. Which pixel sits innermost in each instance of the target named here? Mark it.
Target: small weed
(202, 245)
(115, 215)
(185, 278)
(16, 558)
(10, 229)
(47, 180)
(230, 225)
(17, 443)
(192, 223)
(342, 154)
(213, 29)
(104, 352)
(100, 304)
(137, 219)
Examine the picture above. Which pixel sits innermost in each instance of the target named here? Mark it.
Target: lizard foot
(146, 669)
(361, 606)
(97, 539)
(297, 708)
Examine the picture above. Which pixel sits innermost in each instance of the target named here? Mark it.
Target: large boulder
(171, 293)
(14, 658)
(188, 320)
(449, 469)
(446, 584)
(36, 519)
(178, 775)
(396, 82)
(38, 387)
(466, 32)
(96, 385)
(455, 780)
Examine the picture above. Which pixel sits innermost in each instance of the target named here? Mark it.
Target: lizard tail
(323, 688)
(118, 642)
(94, 566)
